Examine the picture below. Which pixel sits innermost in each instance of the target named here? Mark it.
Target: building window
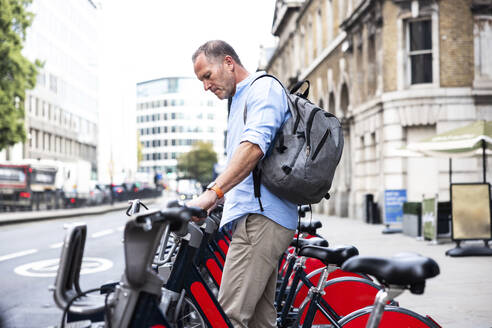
(319, 32)
(53, 83)
(419, 45)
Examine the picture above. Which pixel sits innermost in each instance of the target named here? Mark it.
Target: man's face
(216, 75)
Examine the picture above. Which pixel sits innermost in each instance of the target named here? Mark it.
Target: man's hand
(207, 200)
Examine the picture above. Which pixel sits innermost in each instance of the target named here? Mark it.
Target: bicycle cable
(67, 307)
(106, 309)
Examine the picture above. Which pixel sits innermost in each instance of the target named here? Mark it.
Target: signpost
(393, 209)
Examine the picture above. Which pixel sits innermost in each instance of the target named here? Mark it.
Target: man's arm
(243, 161)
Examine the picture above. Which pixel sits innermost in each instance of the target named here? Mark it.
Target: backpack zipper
(308, 130)
(321, 143)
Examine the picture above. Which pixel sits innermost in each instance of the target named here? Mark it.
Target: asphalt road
(29, 254)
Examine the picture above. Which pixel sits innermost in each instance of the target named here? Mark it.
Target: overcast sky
(149, 39)
(156, 38)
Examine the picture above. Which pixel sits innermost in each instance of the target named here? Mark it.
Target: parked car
(96, 195)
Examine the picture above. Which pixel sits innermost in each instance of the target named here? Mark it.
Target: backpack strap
(257, 171)
(245, 114)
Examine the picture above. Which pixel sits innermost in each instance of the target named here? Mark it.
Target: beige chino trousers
(249, 278)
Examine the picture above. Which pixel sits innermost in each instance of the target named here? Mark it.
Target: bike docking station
(471, 219)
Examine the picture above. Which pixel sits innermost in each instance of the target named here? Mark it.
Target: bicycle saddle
(405, 269)
(311, 241)
(329, 255)
(309, 227)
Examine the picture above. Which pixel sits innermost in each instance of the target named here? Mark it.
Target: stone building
(394, 72)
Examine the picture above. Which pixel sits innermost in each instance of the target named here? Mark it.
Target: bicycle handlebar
(176, 212)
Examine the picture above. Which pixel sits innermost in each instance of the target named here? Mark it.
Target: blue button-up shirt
(267, 110)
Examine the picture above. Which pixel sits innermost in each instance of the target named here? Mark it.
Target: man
(260, 235)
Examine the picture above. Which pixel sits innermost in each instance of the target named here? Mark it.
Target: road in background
(29, 255)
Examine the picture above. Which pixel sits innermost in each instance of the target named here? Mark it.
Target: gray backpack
(301, 161)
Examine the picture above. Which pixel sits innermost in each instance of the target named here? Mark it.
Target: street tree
(17, 73)
(198, 163)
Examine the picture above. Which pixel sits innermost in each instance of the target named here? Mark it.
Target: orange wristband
(217, 190)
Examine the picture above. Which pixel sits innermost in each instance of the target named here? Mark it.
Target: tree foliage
(17, 73)
(198, 163)
(139, 150)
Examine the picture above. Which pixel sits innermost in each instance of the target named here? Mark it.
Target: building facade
(173, 113)
(394, 72)
(62, 110)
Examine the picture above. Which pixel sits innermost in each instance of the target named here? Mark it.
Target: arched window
(331, 102)
(344, 99)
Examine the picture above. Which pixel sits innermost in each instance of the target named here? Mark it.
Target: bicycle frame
(186, 277)
(301, 276)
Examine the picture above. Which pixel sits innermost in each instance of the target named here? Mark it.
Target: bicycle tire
(189, 316)
(392, 317)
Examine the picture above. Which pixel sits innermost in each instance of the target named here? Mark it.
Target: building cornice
(326, 52)
(356, 15)
(281, 14)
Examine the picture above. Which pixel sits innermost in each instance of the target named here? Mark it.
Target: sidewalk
(461, 296)
(28, 216)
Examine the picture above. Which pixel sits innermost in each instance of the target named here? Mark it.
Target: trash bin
(371, 209)
(412, 219)
(444, 219)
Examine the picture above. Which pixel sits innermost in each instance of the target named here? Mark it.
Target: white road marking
(121, 228)
(102, 233)
(57, 245)
(17, 254)
(49, 268)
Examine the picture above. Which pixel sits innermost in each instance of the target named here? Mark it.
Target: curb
(21, 217)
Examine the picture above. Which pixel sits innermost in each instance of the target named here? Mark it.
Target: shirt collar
(242, 85)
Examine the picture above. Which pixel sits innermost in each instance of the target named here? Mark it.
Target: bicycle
(396, 274)
(134, 301)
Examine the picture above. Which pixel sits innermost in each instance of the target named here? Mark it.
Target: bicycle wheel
(188, 316)
(392, 317)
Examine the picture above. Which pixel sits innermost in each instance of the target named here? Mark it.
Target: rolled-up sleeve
(266, 111)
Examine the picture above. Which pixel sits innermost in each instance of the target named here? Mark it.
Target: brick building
(394, 72)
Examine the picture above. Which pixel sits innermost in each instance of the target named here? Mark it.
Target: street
(28, 264)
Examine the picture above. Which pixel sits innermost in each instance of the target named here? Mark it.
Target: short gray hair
(216, 49)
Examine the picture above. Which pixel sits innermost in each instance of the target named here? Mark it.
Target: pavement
(19, 217)
(460, 296)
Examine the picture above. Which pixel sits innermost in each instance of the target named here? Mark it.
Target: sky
(156, 38)
(149, 39)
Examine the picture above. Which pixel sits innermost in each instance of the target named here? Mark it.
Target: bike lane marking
(102, 233)
(18, 254)
(57, 245)
(49, 268)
